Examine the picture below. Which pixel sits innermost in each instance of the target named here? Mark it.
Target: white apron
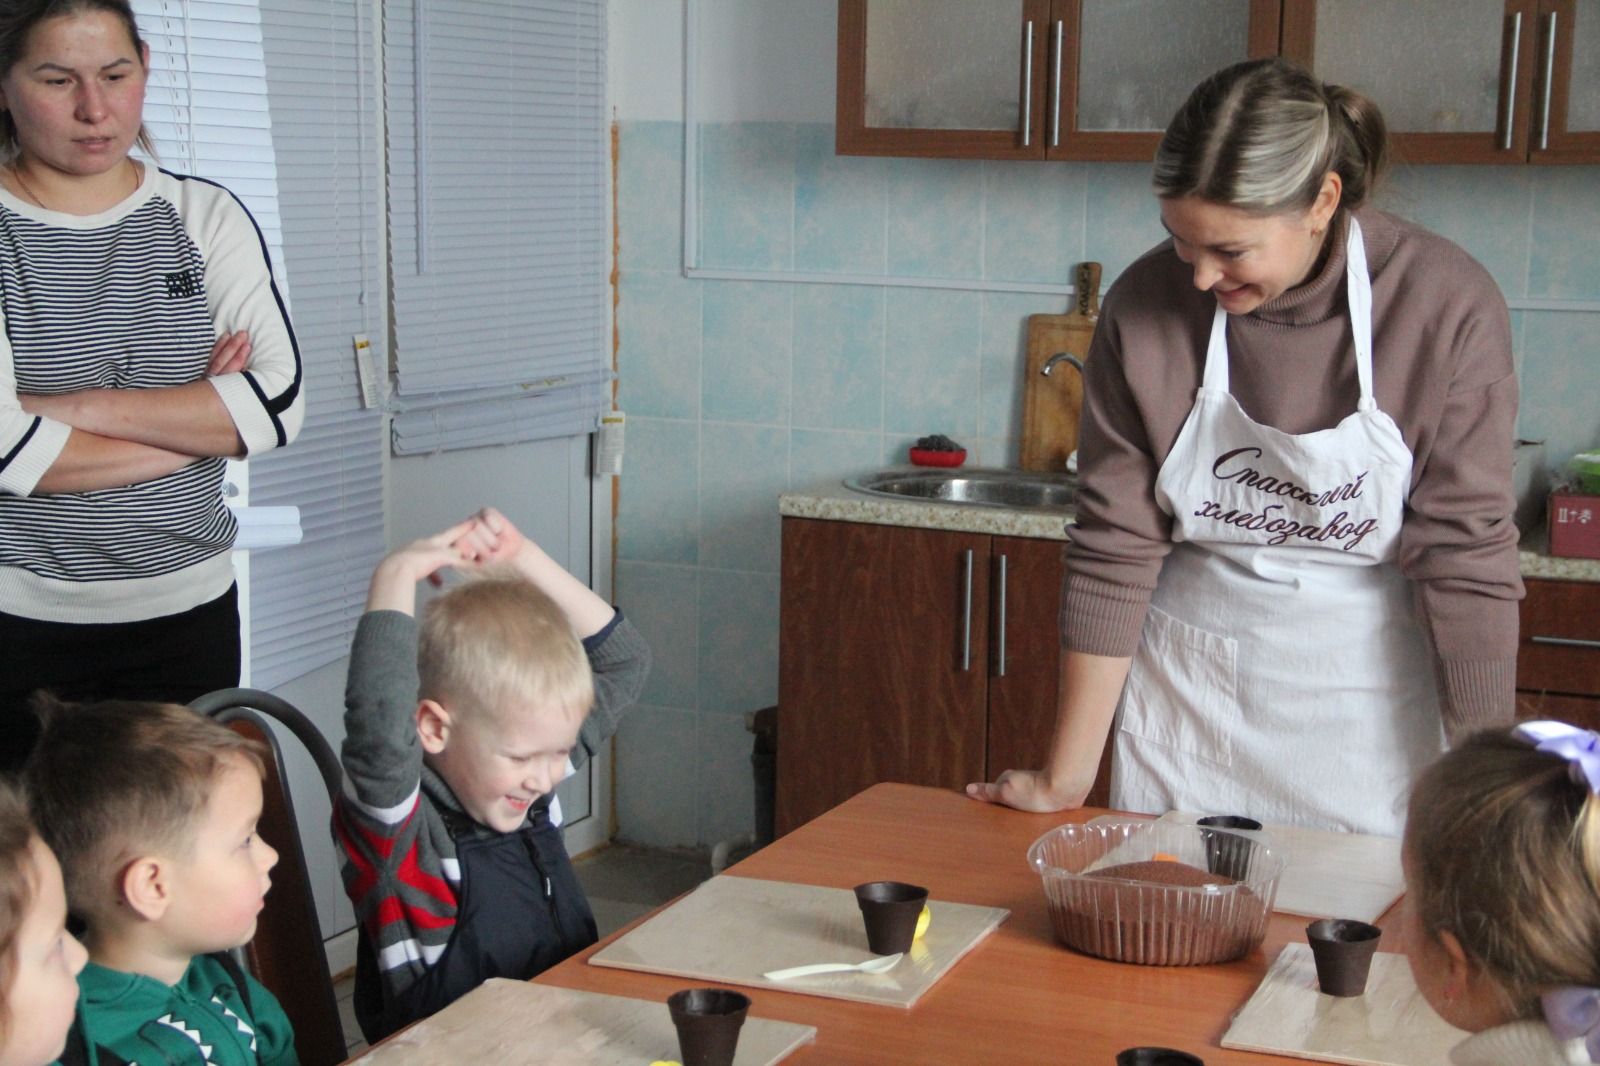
(1281, 673)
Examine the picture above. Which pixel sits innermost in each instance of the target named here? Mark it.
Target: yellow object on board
(923, 921)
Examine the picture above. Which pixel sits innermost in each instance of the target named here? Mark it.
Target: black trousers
(173, 659)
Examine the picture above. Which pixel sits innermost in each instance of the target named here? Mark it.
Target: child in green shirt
(152, 810)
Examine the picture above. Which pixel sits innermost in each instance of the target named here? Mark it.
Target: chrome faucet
(1050, 363)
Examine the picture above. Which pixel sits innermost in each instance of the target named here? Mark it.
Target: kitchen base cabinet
(1558, 661)
(920, 656)
(1023, 686)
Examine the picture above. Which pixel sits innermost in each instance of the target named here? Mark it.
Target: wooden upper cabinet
(1463, 81)
(1031, 79)
(1566, 127)
(1120, 69)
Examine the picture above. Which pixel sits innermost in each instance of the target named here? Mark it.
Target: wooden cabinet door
(955, 78)
(1560, 638)
(1120, 69)
(1581, 711)
(1566, 122)
(1454, 78)
(1025, 620)
(882, 659)
(1024, 651)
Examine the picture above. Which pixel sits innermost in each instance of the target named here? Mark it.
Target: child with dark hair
(153, 809)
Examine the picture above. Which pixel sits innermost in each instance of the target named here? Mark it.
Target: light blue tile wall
(739, 390)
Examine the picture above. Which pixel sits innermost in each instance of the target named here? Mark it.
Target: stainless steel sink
(1016, 489)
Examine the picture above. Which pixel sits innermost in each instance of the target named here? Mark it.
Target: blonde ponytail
(1261, 136)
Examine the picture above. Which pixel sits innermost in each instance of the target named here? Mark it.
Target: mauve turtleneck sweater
(1442, 369)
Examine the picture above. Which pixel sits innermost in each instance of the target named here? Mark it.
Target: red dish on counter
(923, 457)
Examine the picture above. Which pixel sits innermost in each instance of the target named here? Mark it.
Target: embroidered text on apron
(1281, 674)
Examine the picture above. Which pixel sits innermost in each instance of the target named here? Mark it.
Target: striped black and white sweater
(131, 298)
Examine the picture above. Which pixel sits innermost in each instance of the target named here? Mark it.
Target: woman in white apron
(1293, 571)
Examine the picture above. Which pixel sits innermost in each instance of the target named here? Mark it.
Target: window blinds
(206, 101)
(306, 599)
(497, 214)
(269, 98)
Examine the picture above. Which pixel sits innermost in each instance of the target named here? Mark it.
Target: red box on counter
(1574, 525)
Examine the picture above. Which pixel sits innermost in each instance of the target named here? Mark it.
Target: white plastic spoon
(881, 964)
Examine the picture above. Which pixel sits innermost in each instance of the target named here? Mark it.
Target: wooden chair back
(286, 954)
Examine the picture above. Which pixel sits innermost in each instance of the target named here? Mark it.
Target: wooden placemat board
(734, 929)
(1052, 405)
(516, 1023)
(1331, 874)
(1389, 1025)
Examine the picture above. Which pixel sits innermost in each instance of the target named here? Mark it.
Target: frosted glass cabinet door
(1139, 59)
(1566, 127)
(941, 77)
(1453, 78)
(1120, 69)
(945, 64)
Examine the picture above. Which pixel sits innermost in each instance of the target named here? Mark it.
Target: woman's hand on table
(1028, 790)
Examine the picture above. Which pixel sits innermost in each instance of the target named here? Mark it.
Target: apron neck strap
(1358, 285)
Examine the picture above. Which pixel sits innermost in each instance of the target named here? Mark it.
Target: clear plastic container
(1151, 923)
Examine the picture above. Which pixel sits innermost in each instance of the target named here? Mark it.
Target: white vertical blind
(497, 163)
(320, 71)
(274, 99)
(206, 102)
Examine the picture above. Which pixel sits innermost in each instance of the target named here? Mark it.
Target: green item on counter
(1585, 471)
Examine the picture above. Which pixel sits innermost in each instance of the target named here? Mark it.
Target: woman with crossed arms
(144, 342)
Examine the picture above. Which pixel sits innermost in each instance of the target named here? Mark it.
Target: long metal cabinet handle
(1548, 81)
(1027, 87)
(1055, 92)
(1001, 672)
(1511, 93)
(966, 618)
(1566, 642)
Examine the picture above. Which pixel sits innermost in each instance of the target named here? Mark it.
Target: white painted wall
(767, 62)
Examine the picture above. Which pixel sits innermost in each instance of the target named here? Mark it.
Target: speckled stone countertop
(1536, 561)
(833, 502)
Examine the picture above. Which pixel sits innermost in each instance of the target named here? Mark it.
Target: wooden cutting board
(734, 929)
(1390, 1025)
(515, 1023)
(1331, 874)
(1051, 404)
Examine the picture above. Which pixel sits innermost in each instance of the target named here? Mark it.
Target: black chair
(286, 954)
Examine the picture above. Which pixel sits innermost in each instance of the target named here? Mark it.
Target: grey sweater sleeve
(620, 659)
(381, 754)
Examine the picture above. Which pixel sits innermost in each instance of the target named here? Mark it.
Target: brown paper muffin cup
(1227, 853)
(890, 910)
(708, 1022)
(1157, 1056)
(1342, 949)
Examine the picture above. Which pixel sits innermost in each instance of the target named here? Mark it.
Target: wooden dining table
(1019, 996)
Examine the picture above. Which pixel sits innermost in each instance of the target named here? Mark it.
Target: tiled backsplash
(739, 390)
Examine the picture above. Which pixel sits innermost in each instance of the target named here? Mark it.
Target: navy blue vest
(520, 911)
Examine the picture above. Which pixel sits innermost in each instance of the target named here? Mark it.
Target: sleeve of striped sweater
(266, 400)
(29, 444)
(394, 867)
